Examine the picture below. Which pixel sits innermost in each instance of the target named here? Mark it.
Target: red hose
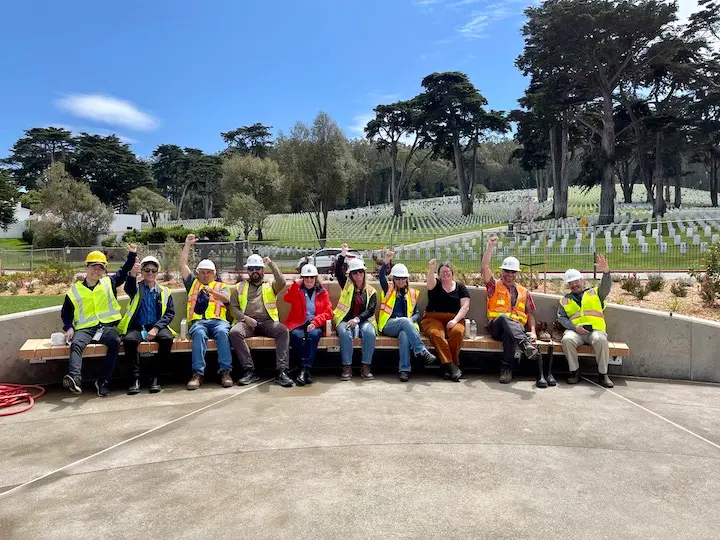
(12, 395)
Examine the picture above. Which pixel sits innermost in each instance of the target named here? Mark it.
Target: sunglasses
(510, 271)
(150, 270)
(400, 278)
(308, 277)
(356, 272)
(254, 268)
(97, 266)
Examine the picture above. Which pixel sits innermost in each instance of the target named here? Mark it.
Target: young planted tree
(143, 199)
(244, 209)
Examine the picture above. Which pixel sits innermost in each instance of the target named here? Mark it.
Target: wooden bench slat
(27, 351)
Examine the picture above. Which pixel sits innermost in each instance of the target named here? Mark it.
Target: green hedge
(160, 235)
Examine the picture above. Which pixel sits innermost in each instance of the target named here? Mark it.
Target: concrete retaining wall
(662, 345)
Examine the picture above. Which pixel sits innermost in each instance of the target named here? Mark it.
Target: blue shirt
(147, 311)
(400, 307)
(309, 304)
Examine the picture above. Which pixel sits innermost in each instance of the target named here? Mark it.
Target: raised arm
(340, 266)
(279, 281)
(606, 281)
(432, 274)
(382, 275)
(185, 256)
(120, 276)
(487, 257)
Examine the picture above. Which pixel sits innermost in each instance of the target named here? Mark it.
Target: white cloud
(475, 27)
(359, 123)
(108, 110)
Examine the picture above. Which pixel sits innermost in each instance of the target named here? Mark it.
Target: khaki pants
(433, 325)
(572, 340)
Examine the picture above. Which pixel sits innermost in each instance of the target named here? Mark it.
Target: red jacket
(295, 296)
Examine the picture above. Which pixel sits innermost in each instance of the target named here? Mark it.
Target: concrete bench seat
(39, 351)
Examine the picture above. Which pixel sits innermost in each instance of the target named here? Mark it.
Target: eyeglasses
(97, 266)
(308, 277)
(510, 271)
(254, 268)
(356, 272)
(150, 270)
(399, 278)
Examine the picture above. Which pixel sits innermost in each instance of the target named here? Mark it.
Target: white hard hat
(309, 270)
(510, 263)
(206, 264)
(399, 271)
(572, 275)
(254, 260)
(150, 260)
(356, 264)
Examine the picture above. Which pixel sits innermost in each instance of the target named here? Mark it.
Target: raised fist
(267, 260)
(190, 239)
(132, 248)
(492, 241)
(345, 248)
(388, 256)
(432, 263)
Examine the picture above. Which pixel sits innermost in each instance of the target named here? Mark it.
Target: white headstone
(663, 247)
(644, 248)
(703, 247)
(683, 247)
(696, 240)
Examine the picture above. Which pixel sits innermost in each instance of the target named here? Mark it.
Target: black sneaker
(404, 376)
(250, 377)
(103, 387)
(282, 379)
(155, 386)
(308, 377)
(505, 376)
(72, 384)
(455, 373)
(301, 379)
(134, 388)
(428, 357)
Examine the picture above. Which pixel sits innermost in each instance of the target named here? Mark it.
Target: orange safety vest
(215, 309)
(388, 304)
(500, 303)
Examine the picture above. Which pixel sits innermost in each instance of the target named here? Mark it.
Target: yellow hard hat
(96, 257)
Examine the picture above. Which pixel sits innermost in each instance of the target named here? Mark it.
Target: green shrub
(673, 305)
(53, 273)
(655, 282)
(110, 241)
(159, 235)
(630, 283)
(709, 277)
(27, 236)
(677, 289)
(641, 292)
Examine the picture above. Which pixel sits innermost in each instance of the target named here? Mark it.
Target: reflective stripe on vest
(388, 304)
(500, 303)
(268, 296)
(94, 306)
(590, 312)
(215, 309)
(346, 299)
(132, 309)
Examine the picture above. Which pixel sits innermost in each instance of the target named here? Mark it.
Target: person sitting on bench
(91, 313)
(581, 314)
(509, 309)
(148, 316)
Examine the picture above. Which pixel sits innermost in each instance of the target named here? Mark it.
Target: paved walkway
(380, 459)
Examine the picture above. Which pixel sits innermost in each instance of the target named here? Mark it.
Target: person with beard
(509, 309)
(310, 309)
(206, 316)
(253, 307)
(581, 314)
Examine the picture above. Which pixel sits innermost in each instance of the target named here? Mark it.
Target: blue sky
(160, 71)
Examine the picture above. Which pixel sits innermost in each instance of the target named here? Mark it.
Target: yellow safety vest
(94, 306)
(215, 309)
(268, 296)
(345, 301)
(388, 303)
(590, 312)
(132, 309)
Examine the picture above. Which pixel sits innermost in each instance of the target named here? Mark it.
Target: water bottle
(467, 328)
(183, 329)
(328, 328)
(356, 331)
(144, 334)
(473, 329)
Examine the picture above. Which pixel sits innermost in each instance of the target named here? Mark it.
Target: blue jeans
(408, 336)
(218, 329)
(307, 350)
(367, 333)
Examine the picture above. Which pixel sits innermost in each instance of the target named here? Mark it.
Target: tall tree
(392, 124)
(454, 122)
(254, 140)
(146, 200)
(31, 155)
(110, 168)
(243, 208)
(258, 177)
(316, 161)
(8, 197)
(592, 47)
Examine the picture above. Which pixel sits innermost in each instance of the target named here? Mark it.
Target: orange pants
(447, 343)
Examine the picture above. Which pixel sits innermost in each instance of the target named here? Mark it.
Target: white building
(22, 215)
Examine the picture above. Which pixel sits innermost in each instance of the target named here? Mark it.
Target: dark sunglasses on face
(96, 266)
(150, 270)
(510, 271)
(254, 268)
(356, 272)
(400, 278)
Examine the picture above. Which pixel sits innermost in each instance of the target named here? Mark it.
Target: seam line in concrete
(660, 416)
(121, 443)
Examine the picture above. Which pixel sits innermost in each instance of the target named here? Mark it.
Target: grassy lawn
(13, 243)
(16, 304)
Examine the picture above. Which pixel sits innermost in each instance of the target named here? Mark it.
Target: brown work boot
(195, 382)
(346, 373)
(365, 372)
(225, 379)
(605, 381)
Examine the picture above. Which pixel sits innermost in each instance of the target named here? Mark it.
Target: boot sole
(97, 387)
(245, 383)
(284, 385)
(155, 390)
(133, 392)
(70, 384)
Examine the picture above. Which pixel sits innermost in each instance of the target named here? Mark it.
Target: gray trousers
(572, 340)
(271, 329)
(83, 338)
